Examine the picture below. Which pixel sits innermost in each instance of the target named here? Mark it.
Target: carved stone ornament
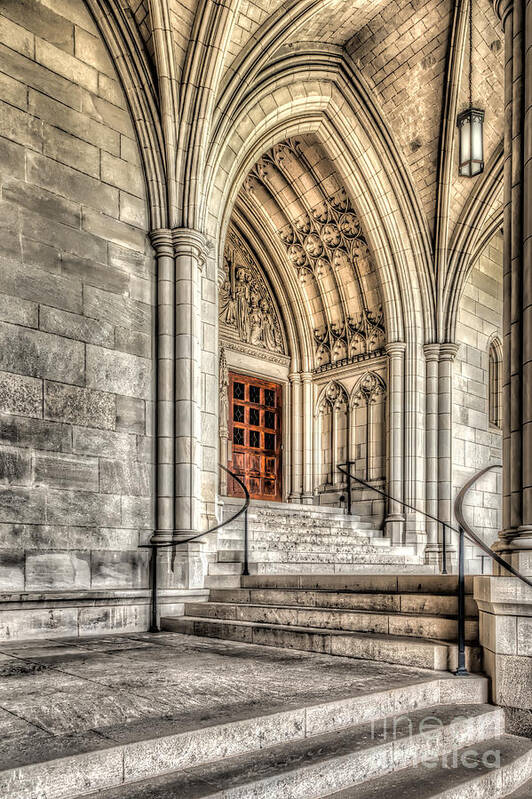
(328, 239)
(368, 389)
(224, 393)
(332, 398)
(247, 309)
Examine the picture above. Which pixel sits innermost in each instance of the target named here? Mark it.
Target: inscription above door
(255, 415)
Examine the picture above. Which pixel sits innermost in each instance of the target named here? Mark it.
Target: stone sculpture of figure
(255, 323)
(227, 303)
(269, 332)
(242, 303)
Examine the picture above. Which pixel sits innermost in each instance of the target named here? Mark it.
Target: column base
(296, 498)
(394, 528)
(307, 499)
(515, 546)
(183, 566)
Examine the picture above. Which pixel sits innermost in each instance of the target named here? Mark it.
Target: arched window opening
(495, 384)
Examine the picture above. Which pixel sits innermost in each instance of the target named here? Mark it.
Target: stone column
(394, 522)
(296, 425)
(432, 355)
(164, 252)
(515, 539)
(190, 250)
(445, 433)
(308, 417)
(223, 427)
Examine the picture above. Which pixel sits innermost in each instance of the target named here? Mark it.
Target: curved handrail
(459, 513)
(155, 545)
(177, 542)
(458, 510)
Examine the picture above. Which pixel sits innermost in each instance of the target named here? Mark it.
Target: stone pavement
(82, 694)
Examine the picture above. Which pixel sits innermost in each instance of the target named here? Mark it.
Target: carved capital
(448, 351)
(162, 242)
(432, 352)
(190, 242)
(306, 377)
(294, 377)
(395, 349)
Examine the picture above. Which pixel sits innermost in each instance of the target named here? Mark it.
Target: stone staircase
(424, 738)
(407, 620)
(286, 538)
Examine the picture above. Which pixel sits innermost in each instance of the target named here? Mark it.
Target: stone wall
(76, 332)
(475, 442)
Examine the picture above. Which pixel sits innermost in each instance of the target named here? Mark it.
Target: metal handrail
(155, 545)
(385, 494)
(459, 513)
(463, 530)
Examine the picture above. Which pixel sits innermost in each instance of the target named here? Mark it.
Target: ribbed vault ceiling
(295, 195)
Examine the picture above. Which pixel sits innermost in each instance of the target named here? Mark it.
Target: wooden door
(255, 415)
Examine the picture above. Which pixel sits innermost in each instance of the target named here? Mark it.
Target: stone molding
(448, 351)
(432, 352)
(503, 8)
(395, 349)
(192, 243)
(256, 352)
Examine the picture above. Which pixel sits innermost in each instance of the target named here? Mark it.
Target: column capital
(448, 351)
(294, 377)
(432, 352)
(503, 8)
(190, 242)
(306, 377)
(162, 242)
(395, 348)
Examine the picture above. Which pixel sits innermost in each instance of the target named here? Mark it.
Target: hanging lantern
(471, 131)
(470, 124)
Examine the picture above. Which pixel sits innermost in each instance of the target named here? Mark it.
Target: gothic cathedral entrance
(255, 416)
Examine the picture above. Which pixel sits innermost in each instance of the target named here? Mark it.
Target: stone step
(420, 604)
(319, 542)
(354, 554)
(225, 568)
(377, 566)
(401, 650)
(490, 770)
(315, 767)
(385, 583)
(231, 504)
(222, 580)
(368, 621)
(69, 766)
(524, 791)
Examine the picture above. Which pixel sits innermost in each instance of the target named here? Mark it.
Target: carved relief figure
(246, 305)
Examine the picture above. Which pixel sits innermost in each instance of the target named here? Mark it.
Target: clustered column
(432, 355)
(296, 425)
(515, 540)
(445, 430)
(308, 417)
(180, 257)
(396, 377)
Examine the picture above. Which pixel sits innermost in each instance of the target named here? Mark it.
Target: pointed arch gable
(386, 213)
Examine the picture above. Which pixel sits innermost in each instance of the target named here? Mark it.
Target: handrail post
(154, 628)
(245, 570)
(444, 549)
(461, 670)
(349, 481)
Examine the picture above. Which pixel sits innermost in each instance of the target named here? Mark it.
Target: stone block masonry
(76, 317)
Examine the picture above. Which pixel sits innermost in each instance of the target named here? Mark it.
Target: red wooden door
(255, 415)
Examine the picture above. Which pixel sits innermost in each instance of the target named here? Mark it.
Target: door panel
(255, 416)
